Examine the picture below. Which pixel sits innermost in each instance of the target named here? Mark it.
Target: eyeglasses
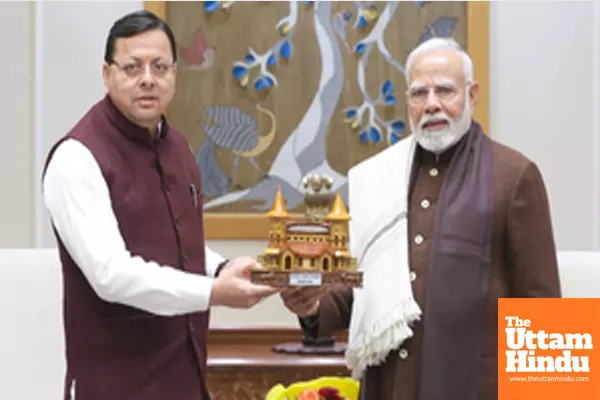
(443, 92)
(158, 68)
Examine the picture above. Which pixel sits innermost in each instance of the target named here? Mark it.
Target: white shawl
(384, 309)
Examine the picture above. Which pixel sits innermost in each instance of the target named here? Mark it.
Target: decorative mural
(268, 92)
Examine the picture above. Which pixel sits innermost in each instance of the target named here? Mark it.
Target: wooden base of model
(308, 278)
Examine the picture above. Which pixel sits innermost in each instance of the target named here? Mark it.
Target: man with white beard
(443, 224)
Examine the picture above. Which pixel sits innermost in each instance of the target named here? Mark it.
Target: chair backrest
(31, 334)
(579, 273)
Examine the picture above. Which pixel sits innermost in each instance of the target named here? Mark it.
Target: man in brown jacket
(451, 222)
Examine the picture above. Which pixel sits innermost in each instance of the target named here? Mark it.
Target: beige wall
(16, 112)
(544, 103)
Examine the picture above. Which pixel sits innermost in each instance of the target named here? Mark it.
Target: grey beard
(439, 141)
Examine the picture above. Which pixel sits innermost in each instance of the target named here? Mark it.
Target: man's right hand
(302, 301)
(232, 288)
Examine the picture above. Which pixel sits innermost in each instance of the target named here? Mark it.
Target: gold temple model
(311, 251)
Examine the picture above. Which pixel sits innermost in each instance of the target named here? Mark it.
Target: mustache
(434, 118)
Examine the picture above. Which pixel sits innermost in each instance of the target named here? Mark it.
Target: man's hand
(303, 301)
(233, 287)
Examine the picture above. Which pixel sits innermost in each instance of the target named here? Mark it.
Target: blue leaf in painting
(444, 26)
(347, 15)
(390, 100)
(420, 4)
(364, 137)
(387, 88)
(259, 84)
(351, 113)
(249, 58)
(398, 126)
(268, 82)
(394, 138)
(360, 48)
(362, 21)
(272, 60)
(285, 50)
(374, 135)
(210, 6)
(239, 71)
(308, 3)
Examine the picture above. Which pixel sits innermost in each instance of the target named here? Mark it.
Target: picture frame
(254, 226)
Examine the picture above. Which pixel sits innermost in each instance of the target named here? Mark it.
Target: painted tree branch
(306, 145)
(282, 49)
(371, 131)
(304, 150)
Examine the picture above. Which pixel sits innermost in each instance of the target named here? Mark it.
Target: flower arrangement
(326, 388)
(325, 393)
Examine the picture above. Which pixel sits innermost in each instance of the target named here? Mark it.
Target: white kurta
(78, 200)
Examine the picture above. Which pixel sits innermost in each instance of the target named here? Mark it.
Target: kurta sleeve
(214, 262)
(78, 201)
(334, 314)
(531, 249)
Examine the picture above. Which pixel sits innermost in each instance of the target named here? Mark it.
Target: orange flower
(309, 394)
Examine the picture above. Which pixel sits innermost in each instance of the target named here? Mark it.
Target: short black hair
(133, 24)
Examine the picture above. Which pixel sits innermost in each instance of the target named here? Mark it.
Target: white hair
(436, 44)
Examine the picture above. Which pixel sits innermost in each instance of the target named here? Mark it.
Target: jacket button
(433, 172)
(403, 353)
(419, 239)
(413, 276)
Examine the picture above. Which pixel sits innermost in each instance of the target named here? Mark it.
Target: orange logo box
(546, 349)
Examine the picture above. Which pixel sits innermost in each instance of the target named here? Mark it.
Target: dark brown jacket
(523, 264)
(118, 352)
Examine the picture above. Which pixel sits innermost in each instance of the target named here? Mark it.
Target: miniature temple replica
(309, 251)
